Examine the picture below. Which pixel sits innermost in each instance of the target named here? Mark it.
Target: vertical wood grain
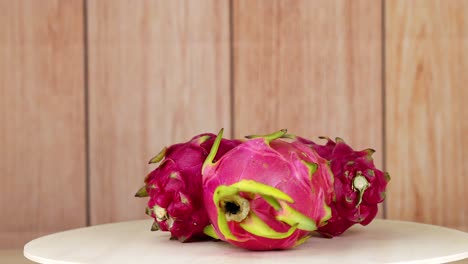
(42, 164)
(158, 74)
(426, 72)
(313, 67)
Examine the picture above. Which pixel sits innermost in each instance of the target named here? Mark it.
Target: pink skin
(345, 164)
(176, 186)
(278, 165)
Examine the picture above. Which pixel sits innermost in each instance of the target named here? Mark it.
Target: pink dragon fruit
(266, 193)
(359, 185)
(175, 187)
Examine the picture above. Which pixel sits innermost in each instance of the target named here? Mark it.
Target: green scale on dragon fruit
(175, 187)
(359, 185)
(266, 193)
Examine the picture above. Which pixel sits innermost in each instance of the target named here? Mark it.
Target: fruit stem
(360, 184)
(235, 208)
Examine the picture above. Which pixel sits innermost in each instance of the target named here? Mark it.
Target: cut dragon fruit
(266, 193)
(359, 185)
(175, 187)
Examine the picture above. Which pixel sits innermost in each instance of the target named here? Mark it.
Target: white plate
(383, 241)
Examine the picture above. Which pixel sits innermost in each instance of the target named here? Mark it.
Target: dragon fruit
(359, 185)
(175, 187)
(266, 193)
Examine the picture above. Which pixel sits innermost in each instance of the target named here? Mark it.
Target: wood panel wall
(42, 117)
(158, 73)
(90, 90)
(427, 117)
(313, 67)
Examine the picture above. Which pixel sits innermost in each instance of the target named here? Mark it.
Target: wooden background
(89, 90)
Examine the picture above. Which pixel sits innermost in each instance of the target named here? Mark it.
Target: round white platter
(383, 241)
